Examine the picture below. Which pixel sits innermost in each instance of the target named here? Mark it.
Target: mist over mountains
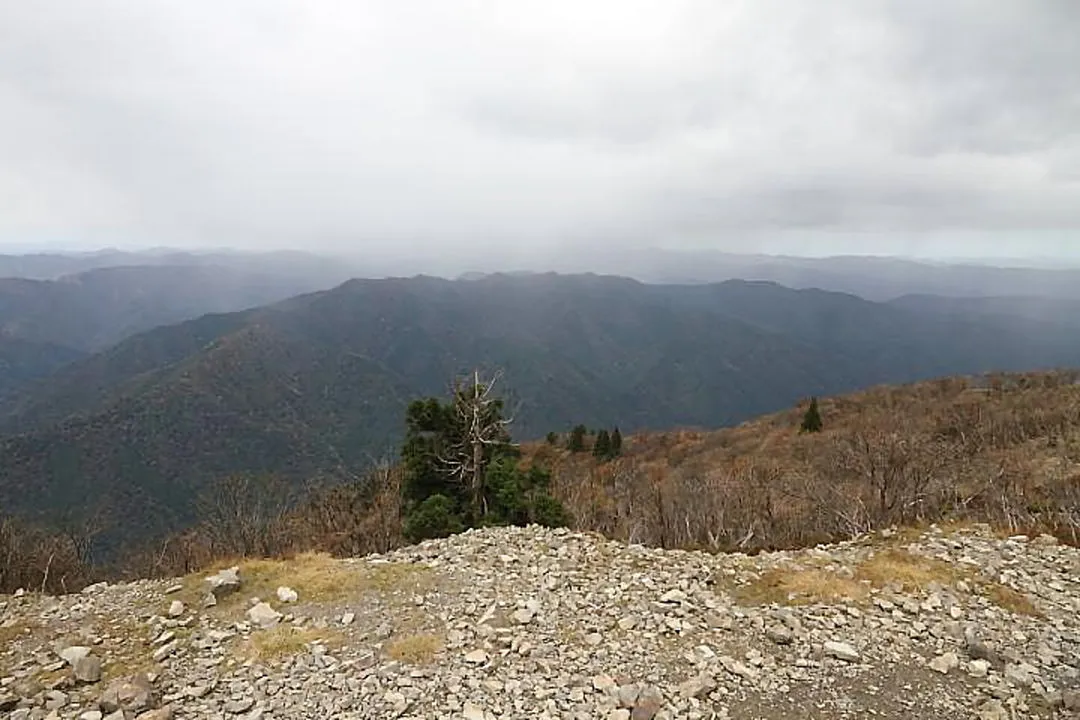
(134, 388)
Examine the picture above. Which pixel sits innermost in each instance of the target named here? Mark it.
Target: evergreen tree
(461, 469)
(602, 446)
(552, 439)
(812, 419)
(616, 442)
(577, 439)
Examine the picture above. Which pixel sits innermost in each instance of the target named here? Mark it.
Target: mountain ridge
(313, 388)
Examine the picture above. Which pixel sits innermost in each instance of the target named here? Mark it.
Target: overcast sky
(918, 127)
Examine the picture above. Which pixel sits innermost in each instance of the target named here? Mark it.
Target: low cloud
(434, 127)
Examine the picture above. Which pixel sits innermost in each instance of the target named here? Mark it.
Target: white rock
(264, 616)
(176, 609)
(87, 669)
(472, 712)
(224, 581)
(74, 654)
(476, 657)
(523, 616)
(673, 596)
(841, 651)
(945, 663)
(166, 650)
(348, 618)
(286, 595)
(697, 687)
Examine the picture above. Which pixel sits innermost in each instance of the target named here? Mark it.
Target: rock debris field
(538, 623)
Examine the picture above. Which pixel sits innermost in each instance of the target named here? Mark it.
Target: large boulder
(224, 581)
(264, 616)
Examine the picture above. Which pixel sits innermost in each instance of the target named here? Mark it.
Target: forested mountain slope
(315, 387)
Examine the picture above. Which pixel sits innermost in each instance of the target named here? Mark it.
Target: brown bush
(1004, 449)
(35, 559)
(258, 517)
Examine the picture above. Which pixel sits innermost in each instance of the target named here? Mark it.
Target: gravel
(539, 623)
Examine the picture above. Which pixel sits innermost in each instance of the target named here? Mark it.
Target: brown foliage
(249, 516)
(1003, 449)
(36, 559)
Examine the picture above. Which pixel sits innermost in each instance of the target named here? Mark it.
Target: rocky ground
(535, 623)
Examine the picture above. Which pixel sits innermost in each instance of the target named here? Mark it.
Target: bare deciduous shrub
(1004, 449)
(32, 558)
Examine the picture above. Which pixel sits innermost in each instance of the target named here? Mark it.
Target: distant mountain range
(315, 387)
(869, 277)
(46, 324)
(55, 265)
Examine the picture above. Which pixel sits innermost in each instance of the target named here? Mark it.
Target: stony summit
(535, 623)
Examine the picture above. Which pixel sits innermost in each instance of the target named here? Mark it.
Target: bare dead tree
(478, 413)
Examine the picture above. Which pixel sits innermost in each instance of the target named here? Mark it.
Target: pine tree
(577, 439)
(812, 419)
(616, 442)
(448, 447)
(602, 446)
(461, 469)
(552, 439)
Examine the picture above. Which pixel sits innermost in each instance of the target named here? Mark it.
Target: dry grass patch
(914, 573)
(800, 587)
(316, 577)
(1012, 600)
(120, 666)
(387, 577)
(419, 649)
(283, 640)
(9, 633)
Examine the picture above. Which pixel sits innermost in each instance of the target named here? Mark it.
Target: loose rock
(264, 616)
(841, 651)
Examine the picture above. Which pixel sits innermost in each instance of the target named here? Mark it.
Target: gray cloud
(436, 127)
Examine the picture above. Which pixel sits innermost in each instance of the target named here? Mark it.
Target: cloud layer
(436, 126)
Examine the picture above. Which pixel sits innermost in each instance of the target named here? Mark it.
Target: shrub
(434, 517)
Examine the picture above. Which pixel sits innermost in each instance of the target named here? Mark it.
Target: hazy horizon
(542, 260)
(387, 131)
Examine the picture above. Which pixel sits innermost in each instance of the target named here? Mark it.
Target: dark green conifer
(602, 446)
(812, 419)
(616, 442)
